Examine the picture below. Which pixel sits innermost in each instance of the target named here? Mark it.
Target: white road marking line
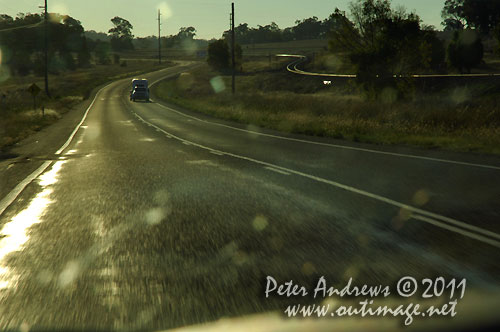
(394, 154)
(214, 152)
(442, 220)
(458, 230)
(276, 170)
(65, 145)
(12, 196)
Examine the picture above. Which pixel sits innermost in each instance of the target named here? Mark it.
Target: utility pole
(46, 48)
(233, 49)
(159, 37)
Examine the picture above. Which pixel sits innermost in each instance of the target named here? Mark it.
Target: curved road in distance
(154, 217)
(293, 68)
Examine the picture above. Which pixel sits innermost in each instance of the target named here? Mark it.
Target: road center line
(443, 221)
(337, 146)
(276, 170)
(458, 230)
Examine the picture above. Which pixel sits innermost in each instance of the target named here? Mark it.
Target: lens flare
(217, 84)
(166, 11)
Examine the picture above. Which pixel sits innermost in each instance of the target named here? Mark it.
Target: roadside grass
(460, 118)
(18, 118)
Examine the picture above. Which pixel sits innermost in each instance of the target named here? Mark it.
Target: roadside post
(34, 90)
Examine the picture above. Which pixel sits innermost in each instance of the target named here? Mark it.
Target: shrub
(218, 54)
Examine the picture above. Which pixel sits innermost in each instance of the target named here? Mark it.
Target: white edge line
(12, 196)
(442, 219)
(334, 145)
(65, 145)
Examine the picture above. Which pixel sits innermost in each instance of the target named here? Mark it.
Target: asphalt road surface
(150, 217)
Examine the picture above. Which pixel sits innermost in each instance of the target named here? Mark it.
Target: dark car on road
(139, 93)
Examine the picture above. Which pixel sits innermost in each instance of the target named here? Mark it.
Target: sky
(209, 17)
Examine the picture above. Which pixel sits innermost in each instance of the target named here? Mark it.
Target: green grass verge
(457, 118)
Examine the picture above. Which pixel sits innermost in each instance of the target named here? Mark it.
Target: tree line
(22, 43)
(309, 28)
(23, 48)
(383, 43)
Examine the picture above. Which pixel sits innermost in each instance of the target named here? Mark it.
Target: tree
(433, 50)
(26, 46)
(381, 42)
(121, 34)
(453, 15)
(83, 56)
(483, 15)
(309, 28)
(218, 54)
(496, 34)
(466, 50)
(186, 33)
(102, 52)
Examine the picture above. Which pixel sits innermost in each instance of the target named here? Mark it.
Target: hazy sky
(209, 17)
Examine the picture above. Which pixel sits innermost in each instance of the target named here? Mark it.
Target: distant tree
(218, 54)
(83, 56)
(186, 33)
(453, 15)
(146, 43)
(496, 35)
(332, 22)
(93, 35)
(309, 28)
(169, 41)
(432, 50)
(241, 33)
(121, 34)
(68, 60)
(466, 50)
(26, 47)
(483, 15)
(381, 42)
(288, 34)
(102, 52)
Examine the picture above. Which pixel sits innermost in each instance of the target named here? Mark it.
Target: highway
(145, 216)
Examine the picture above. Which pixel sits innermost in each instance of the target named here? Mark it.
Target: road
(293, 68)
(153, 217)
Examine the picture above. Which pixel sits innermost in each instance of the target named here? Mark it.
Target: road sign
(34, 89)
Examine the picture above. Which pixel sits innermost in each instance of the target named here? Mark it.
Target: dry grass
(456, 118)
